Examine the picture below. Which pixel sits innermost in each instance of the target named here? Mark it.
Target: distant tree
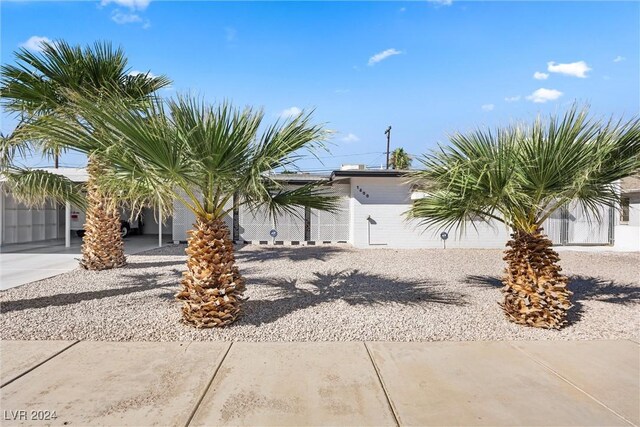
(400, 159)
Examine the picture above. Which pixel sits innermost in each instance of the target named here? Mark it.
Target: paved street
(320, 383)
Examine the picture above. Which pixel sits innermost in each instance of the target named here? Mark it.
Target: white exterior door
(376, 232)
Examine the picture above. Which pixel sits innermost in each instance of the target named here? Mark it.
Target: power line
(349, 155)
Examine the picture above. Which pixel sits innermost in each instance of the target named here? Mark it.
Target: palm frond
(35, 187)
(36, 83)
(202, 154)
(522, 174)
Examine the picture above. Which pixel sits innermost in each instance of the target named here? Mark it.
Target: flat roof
(302, 177)
(80, 174)
(378, 173)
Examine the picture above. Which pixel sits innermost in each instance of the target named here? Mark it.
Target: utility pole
(388, 133)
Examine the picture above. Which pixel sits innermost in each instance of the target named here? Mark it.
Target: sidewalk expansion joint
(384, 388)
(568, 381)
(39, 364)
(208, 386)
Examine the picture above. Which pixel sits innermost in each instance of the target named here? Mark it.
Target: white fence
(255, 226)
(332, 226)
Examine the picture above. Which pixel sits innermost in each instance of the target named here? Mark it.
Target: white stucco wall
(627, 236)
(379, 221)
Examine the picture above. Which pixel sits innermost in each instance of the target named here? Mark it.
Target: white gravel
(324, 293)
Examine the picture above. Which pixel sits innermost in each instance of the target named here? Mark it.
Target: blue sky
(426, 68)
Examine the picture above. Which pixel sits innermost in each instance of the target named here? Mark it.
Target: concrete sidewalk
(320, 383)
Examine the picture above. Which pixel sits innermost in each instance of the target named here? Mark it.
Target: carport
(49, 225)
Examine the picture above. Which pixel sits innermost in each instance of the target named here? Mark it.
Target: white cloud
(125, 18)
(488, 107)
(35, 43)
(290, 112)
(540, 76)
(575, 69)
(350, 138)
(512, 98)
(131, 4)
(543, 95)
(148, 73)
(383, 55)
(441, 2)
(619, 58)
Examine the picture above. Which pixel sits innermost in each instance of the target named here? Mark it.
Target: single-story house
(371, 215)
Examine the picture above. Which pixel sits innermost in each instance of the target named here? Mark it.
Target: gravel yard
(325, 293)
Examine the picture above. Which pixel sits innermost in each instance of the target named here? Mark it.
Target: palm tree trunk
(212, 286)
(535, 292)
(102, 245)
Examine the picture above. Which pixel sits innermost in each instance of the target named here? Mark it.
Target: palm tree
(212, 160)
(38, 85)
(400, 159)
(520, 176)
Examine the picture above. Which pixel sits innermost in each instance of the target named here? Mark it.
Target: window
(624, 210)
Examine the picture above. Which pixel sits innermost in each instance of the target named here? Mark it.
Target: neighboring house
(371, 215)
(627, 224)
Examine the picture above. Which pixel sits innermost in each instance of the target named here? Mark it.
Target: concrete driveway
(25, 263)
(543, 383)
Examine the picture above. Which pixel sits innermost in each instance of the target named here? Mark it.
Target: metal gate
(574, 226)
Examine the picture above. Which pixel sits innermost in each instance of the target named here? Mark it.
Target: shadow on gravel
(351, 286)
(293, 253)
(139, 283)
(484, 281)
(134, 265)
(170, 249)
(584, 288)
(598, 289)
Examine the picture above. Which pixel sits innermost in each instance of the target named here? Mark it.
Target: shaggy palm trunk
(212, 286)
(102, 245)
(536, 293)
